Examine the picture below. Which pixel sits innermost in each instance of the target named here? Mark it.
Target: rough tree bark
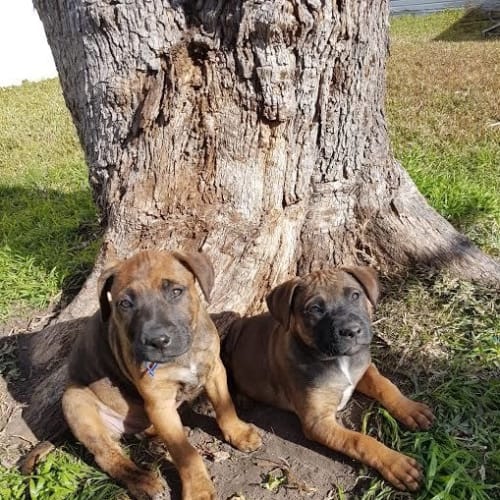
(251, 130)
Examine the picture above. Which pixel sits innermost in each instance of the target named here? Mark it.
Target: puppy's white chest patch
(346, 395)
(188, 375)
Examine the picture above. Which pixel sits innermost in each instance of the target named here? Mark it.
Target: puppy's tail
(34, 456)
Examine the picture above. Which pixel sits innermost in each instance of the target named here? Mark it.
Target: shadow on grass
(49, 232)
(471, 26)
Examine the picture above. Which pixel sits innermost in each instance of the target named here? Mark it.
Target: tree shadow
(475, 25)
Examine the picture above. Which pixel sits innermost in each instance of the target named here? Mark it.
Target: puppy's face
(329, 311)
(152, 300)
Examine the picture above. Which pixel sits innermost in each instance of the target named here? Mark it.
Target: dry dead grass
(444, 91)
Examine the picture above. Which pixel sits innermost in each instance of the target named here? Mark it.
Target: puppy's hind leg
(80, 408)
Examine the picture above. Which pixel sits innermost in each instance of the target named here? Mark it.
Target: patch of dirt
(287, 466)
(296, 467)
(15, 436)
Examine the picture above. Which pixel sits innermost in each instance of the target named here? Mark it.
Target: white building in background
(24, 51)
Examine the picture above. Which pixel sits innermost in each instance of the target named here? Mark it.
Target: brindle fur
(111, 393)
(296, 359)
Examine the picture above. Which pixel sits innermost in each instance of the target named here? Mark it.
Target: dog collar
(151, 368)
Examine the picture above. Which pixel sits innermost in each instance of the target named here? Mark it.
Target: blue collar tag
(151, 368)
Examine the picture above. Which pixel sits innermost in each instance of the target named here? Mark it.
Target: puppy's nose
(350, 331)
(159, 342)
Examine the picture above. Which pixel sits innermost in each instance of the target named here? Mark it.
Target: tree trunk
(254, 131)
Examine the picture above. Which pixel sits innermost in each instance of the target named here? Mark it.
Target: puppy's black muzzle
(161, 342)
(156, 337)
(342, 334)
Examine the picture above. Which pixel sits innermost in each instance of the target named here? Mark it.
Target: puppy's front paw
(201, 489)
(416, 416)
(147, 485)
(404, 472)
(244, 437)
(164, 495)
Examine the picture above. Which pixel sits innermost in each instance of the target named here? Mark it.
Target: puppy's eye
(177, 292)
(125, 304)
(355, 296)
(315, 309)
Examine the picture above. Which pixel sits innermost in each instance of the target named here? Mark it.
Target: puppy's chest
(351, 377)
(342, 379)
(190, 379)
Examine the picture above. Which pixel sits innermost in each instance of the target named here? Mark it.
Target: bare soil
(311, 470)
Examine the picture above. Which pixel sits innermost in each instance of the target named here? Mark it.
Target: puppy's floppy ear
(199, 264)
(104, 284)
(368, 279)
(279, 301)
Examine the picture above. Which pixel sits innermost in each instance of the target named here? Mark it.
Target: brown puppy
(151, 347)
(312, 352)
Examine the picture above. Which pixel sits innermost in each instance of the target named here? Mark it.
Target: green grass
(60, 476)
(450, 349)
(450, 25)
(442, 335)
(47, 217)
(444, 118)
